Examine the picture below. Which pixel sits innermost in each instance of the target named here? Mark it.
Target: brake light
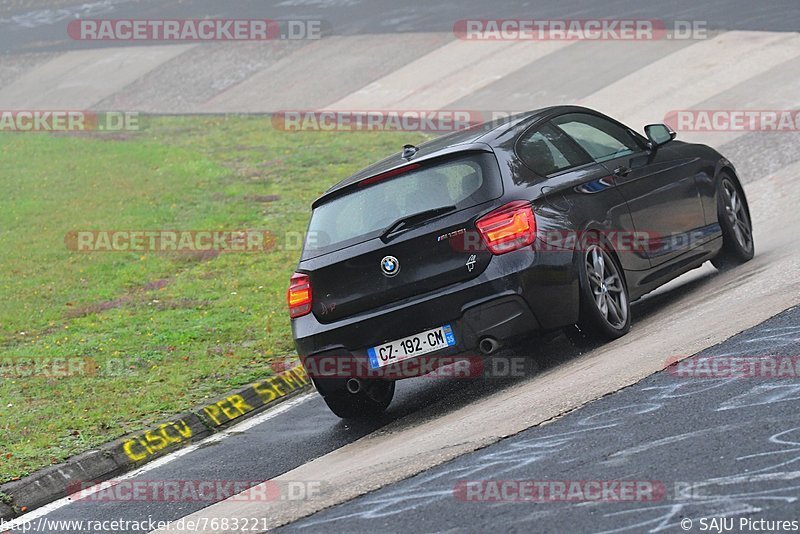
(508, 228)
(299, 295)
(389, 174)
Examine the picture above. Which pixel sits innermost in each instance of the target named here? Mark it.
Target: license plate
(411, 346)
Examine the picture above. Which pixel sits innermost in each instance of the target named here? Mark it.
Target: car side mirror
(659, 134)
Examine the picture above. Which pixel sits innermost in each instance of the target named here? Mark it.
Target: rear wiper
(415, 218)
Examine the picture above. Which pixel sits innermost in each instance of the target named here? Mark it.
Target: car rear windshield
(366, 211)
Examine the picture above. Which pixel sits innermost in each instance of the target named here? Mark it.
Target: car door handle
(622, 171)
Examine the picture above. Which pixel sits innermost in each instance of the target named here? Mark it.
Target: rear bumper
(518, 293)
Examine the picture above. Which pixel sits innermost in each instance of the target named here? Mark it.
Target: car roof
(479, 137)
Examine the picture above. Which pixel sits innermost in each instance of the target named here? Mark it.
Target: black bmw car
(556, 218)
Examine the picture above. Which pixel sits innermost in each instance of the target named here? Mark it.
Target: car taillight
(389, 174)
(299, 295)
(508, 228)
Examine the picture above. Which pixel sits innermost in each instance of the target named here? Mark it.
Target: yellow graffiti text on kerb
(227, 409)
(278, 386)
(151, 442)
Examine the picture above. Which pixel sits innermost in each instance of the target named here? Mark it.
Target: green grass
(166, 330)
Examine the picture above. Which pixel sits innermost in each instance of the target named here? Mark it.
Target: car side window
(547, 150)
(602, 139)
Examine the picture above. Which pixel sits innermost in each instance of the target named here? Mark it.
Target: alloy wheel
(737, 215)
(606, 286)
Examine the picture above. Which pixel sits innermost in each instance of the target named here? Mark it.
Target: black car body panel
(665, 196)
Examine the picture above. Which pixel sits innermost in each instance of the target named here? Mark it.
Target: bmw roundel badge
(390, 266)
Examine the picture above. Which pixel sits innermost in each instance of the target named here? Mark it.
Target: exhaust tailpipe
(488, 345)
(354, 385)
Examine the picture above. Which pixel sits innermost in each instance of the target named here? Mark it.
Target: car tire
(604, 302)
(372, 400)
(733, 215)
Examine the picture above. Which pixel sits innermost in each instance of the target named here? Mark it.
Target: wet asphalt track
(309, 430)
(305, 432)
(720, 447)
(30, 29)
